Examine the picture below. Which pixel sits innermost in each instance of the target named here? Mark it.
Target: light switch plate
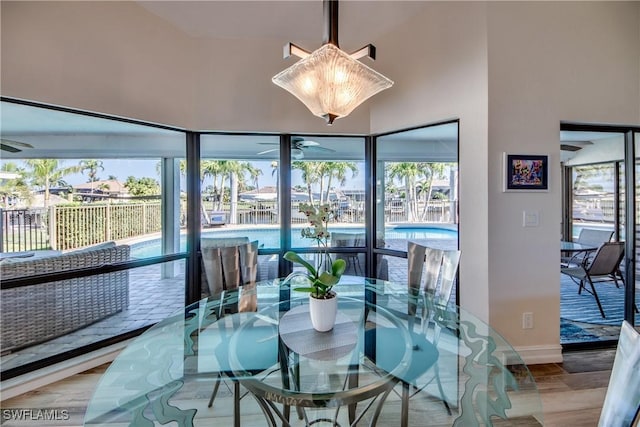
(530, 218)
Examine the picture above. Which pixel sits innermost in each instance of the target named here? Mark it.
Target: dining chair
(234, 269)
(440, 271)
(354, 260)
(621, 407)
(229, 263)
(603, 268)
(433, 272)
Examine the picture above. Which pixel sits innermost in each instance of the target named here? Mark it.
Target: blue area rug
(583, 307)
(570, 333)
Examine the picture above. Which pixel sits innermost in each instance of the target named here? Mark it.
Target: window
(82, 192)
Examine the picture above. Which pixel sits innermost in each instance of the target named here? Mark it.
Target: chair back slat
(450, 262)
(607, 259)
(424, 265)
(248, 262)
(622, 401)
(229, 267)
(432, 271)
(415, 265)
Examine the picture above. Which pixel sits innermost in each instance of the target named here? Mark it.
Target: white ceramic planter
(323, 312)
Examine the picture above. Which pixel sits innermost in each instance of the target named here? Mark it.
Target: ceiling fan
(13, 146)
(298, 147)
(574, 145)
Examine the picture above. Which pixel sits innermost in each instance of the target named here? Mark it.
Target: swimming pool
(270, 237)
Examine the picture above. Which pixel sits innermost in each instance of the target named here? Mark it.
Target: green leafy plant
(328, 272)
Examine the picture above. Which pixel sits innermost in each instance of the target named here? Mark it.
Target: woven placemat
(298, 334)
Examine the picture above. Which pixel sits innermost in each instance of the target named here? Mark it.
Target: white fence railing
(70, 227)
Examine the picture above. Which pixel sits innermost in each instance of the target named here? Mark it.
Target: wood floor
(572, 394)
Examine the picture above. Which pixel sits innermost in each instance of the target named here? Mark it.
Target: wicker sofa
(37, 313)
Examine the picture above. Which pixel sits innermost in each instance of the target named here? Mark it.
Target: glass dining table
(576, 253)
(566, 246)
(392, 358)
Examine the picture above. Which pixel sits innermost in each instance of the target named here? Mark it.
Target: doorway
(599, 167)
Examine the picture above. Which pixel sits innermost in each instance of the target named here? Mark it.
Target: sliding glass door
(596, 162)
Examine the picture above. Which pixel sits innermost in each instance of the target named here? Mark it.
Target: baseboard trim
(33, 380)
(539, 354)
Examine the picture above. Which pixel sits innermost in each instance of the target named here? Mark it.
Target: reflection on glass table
(259, 343)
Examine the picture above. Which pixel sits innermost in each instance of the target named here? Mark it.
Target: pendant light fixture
(329, 81)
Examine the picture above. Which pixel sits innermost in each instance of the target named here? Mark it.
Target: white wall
(548, 62)
(511, 71)
(439, 63)
(97, 56)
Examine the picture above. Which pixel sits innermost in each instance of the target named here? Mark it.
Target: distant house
(36, 200)
(270, 193)
(264, 193)
(99, 190)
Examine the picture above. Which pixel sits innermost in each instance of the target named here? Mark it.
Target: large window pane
(329, 170)
(416, 191)
(81, 192)
(74, 181)
(239, 185)
(593, 197)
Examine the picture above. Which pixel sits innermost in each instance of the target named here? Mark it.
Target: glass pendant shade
(330, 82)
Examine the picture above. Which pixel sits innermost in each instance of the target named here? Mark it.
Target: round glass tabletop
(259, 339)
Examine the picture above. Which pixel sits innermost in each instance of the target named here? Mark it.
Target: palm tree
(309, 175)
(237, 182)
(409, 173)
(12, 187)
(234, 172)
(46, 173)
(431, 171)
(254, 173)
(338, 170)
(91, 166)
(235, 169)
(214, 169)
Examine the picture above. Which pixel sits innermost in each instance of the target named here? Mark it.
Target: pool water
(270, 237)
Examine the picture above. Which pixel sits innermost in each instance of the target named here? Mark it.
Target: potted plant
(319, 279)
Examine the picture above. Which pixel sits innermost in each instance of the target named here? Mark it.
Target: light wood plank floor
(572, 394)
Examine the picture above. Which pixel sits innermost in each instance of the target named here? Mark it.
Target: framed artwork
(524, 172)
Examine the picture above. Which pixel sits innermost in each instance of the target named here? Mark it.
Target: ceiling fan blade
(9, 148)
(319, 148)
(305, 143)
(297, 154)
(567, 147)
(268, 151)
(17, 143)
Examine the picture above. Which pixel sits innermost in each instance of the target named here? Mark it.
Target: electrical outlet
(527, 320)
